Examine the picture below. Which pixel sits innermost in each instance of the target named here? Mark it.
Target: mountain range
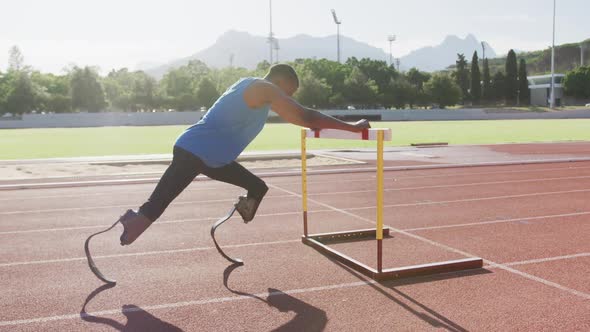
(241, 49)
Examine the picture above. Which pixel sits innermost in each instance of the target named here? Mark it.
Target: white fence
(70, 120)
(186, 118)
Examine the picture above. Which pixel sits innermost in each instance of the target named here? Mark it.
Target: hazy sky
(123, 33)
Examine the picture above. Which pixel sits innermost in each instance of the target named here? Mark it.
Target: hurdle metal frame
(321, 242)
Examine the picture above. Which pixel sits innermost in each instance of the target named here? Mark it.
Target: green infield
(74, 142)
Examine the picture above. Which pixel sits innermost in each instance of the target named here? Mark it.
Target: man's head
(285, 77)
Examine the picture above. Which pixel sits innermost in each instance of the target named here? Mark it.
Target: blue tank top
(226, 129)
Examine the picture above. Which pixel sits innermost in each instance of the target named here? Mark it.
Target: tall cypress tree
(462, 76)
(498, 87)
(487, 80)
(475, 79)
(523, 84)
(511, 81)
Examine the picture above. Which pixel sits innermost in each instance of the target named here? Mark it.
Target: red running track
(531, 224)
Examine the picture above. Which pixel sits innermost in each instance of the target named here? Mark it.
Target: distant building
(540, 87)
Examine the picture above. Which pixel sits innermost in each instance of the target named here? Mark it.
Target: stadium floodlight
(270, 34)
(552, 98)
(391, 39)
(338, 22)
(276, 47)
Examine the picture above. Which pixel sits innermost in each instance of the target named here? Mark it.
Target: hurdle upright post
(380, 201)
(304, 178)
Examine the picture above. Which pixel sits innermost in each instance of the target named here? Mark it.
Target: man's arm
(293, 112)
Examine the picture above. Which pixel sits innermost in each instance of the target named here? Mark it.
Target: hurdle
(321, 242)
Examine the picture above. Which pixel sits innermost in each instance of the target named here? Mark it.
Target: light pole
(391, 39)
(483, 48)
(582, 49)
(338, 22)
(552, 99)
(270, 35)
(276, 48)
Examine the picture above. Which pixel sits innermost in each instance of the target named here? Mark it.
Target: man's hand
(361, 125)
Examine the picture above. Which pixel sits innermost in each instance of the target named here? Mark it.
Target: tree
(21, 95)
(402, 92)
(378, 71)
(3, 92)
(498, 87)
(313, 91)
(180, 86)
(118, 85)
(416, 78)
(577, 82)
(334, 73)
(52, 92)
(223, 78)
(511, 81)
(487, 81)
(87, 93)
(359, 89)
(462, 76)
(475, 79)
(18, 94)
(443, 90)
(523, 84)
(144, 91)
(207, 94)
(262, 67)
(176, 83)
(16, 59)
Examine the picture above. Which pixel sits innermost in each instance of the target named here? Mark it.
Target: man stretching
(211, 146)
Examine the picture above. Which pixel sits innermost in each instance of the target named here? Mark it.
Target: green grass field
(59, 142)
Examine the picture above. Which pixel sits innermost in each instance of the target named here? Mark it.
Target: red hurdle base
(320, 243)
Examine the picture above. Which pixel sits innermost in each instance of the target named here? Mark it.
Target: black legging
(182, 171)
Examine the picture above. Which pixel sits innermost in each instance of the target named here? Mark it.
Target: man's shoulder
(259, 92)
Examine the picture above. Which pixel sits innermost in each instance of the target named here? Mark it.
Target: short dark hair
(284, 71)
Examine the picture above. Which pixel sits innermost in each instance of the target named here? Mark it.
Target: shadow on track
(428, 315)
(137, 318)
(307, 317)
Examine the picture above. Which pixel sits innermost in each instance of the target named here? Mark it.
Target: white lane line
(471, 199)
(75, 228)
(499, 221)
(147, 191)
(399, 178)
(144, 253)
(124, 206)
(47, 319)
(445, 175)
(420, 155)
(184, 303)
(451, 185)
(349, 209)
(280, 196)
(177, 221)
(543, 260)
(386, 190)
(444, 246)
(159, 222)
(545, 282)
